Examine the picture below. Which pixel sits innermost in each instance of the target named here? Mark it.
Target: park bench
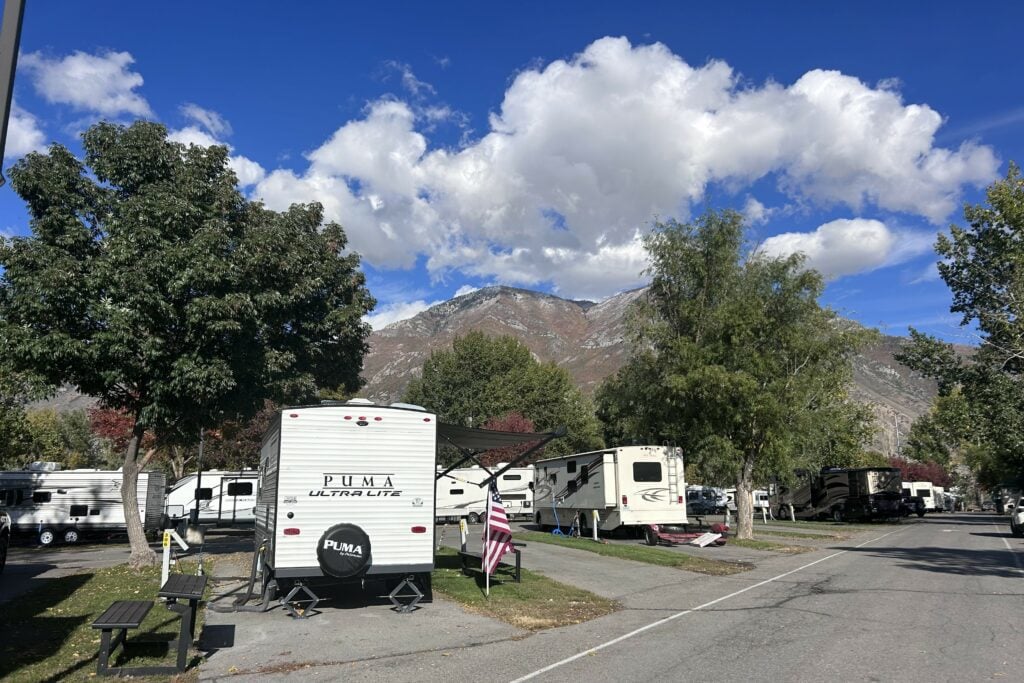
(474, 561)
(121, 616)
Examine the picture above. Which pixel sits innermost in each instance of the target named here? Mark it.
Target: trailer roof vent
(359, 402)
(408, 406)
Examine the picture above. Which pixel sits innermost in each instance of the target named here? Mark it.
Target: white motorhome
(631, 486)
(67, 504)
(460, 494)
(760, 499)
(225, 497)
(346, 492)
(925, 491)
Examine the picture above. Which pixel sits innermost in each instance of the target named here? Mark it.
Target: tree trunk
(142, 555)
(744, 500)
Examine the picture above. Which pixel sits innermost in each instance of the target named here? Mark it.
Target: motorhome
(861, 493)
(460, 494)
(65, 505)
(225, 498)
(631, 486)
(926, 492)
(346, 493)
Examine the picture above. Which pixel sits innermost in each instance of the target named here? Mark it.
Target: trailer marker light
(291, 531)
(426, 419)
(294, 415)
(679, 499)
(625, 500)
(419, 529)
(362, 419)
(378, 418)
(348, 417)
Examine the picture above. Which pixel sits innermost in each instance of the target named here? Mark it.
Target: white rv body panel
(926, 491)
(356, 463)
(628, 486)
(87, 500)
(233, 498)
(459, 493)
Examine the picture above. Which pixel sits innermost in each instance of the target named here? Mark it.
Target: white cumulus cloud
(210, 120)
(209, 125)
(849, 246)
(385, 315)
(23, 134)
(584, 151)
(102, 83)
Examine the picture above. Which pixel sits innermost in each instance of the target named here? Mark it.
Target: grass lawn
(801, 535)
(45, 634)
(535, 604)
(642, 553)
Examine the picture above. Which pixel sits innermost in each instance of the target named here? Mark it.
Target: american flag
(497, 533)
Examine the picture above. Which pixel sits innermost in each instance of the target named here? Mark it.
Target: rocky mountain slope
(588, 340)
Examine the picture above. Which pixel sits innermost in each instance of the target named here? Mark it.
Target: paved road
(933, 601)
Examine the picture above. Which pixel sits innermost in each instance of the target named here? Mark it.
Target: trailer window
(41, 496)
(514, 496)
(240, 488)
(204, 494)
(511, 477)
(94, 511)
(570, 466)
(572, 486)
(584, 474)
(647, 471)
(456, 492)
(924, 493)
(79, 510)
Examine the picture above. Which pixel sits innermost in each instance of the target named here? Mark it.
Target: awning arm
(556, 434)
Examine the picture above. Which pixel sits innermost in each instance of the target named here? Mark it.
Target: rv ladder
(673, 478)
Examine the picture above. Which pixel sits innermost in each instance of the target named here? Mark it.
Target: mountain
(588, 340)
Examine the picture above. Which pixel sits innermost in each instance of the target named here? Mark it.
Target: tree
(16, 390)
(481, 378)
(733, 359)
(513, 422)
(151, 283)
(983, 265)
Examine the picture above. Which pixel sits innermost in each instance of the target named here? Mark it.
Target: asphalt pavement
(931, 601)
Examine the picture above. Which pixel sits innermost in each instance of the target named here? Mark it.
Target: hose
(239, 604)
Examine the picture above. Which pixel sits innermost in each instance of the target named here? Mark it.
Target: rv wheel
(71, 536)
(837, 515)
(651, 536)
(783, 514)
(473, 518)
(920, 513)
(46, 537)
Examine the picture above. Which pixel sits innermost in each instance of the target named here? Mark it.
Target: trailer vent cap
(343, 551)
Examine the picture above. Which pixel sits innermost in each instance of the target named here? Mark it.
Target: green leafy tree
(983, 265)
(16, 391)
(150, 282)
(734, 359)
(483, 378)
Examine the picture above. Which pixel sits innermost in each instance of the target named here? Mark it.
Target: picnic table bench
(471, 561)
(129, 614)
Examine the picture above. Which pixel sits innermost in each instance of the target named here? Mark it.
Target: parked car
(912, 505)
(1017, 521)
(5, 538)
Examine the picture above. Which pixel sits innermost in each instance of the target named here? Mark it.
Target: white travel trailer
(460, 494)
(346, 492)
(225, 498)
(925, 491)
(68, 504)
(631, 486)
(761, 500)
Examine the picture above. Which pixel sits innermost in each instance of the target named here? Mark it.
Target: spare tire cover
(343, 551)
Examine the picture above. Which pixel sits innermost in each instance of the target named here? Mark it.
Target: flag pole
(487, 539)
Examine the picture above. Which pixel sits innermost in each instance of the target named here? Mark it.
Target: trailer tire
(920, 513)
(1017, 530)
(650, 536)
(343, 551)
(783, 514)
(837, 515)
(473, 518)
(47, 537)
(71, 536)
(5, 543)
(584, 529)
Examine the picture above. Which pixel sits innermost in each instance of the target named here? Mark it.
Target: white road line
(1013, 553)
(673, 617)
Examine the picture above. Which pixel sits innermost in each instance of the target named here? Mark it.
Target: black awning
(480, 440)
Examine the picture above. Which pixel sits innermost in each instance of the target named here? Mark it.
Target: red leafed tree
(115, 426)
(921, 471)
(512, 422)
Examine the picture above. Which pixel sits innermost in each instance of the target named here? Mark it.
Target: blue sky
(463, 145)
